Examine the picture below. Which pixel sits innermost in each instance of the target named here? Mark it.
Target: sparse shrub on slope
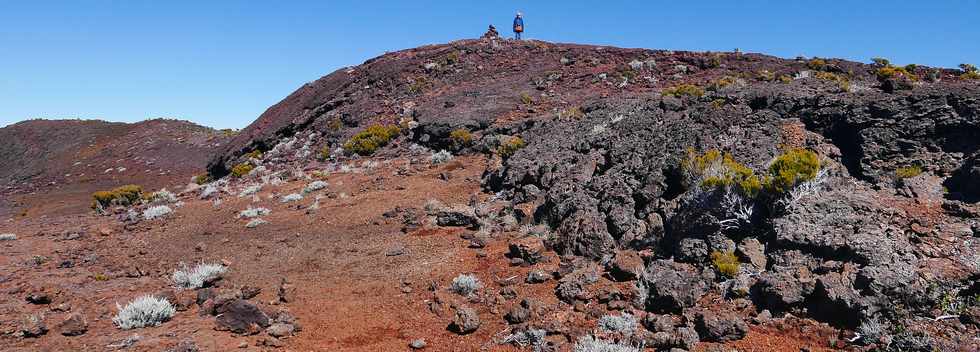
(624, 324)
(241, 170)
(461, 138)
(790, 169)
(441, 157)
(842, 81)
(591, 344)
(314, 186)
(465, 284)
(142, 312)
(725, 262)
(163, 196)
(202, 179)
(683, 90)
(510, 147)
(969, 71)
(123, 195)
(713, 169)
(371, 139)
(199, 276)
(156, 212)
(253, 213)
(908, 172)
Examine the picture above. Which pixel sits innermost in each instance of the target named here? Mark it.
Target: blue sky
(222, 63)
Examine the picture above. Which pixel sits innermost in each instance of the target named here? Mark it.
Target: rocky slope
(601, 168)
(78, 157)
(557, 197)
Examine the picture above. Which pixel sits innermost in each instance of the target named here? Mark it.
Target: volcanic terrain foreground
(521, 195)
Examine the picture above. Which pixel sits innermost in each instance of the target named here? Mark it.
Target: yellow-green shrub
(255, 154)
(241, 169)
(572, 112)
(842, 81)
(895, 72)
(791, 168)
(683, 90)
(970, 75)
(202, 179)
(715, 169)
(908, 171)
(725, 262)
(368, 141)
(510, 147)
(526, 99)
(817, 64)
(461, 137)
(723, 82)
(123, 195)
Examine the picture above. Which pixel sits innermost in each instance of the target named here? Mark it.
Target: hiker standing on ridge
(518, 26)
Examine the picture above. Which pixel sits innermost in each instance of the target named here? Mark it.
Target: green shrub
(526, 99)
(255, 154)
(723, 82)
(574, 113)
(785, 78)
(335, 124)
(969, 72)
(817, 64)
(842, 81)
(461, 137)
(202, 179)
(790, 169)
(880, 61)
(908, 171)
(371, 139)
(241, 169)
(725, 262)
(895, 72)
(510, 147)
(684, 90)
(717, 170)
(123, 195)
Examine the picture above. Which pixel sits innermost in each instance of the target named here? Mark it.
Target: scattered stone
(458, 216)
(249, 292)
(241, 317)
(528, 249)
(537, 277)
(270, 341)
(185, 346)
(73, 325)
(395, 250)
(465, 321)
(626, 266)
(38, 298)
(33, 326)
(720, 326)
(280, 330)
(672, 286)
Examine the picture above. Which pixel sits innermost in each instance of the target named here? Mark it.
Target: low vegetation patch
(592, 344)
(526, 99)
(202, 179)
(511, 146)
(8, 237)
(240, 170)
(684, 90)
(714, 169)
(371, 139)
(123, 195)
(790, 169)
(441, 157)
(908, 171)
(156, 212)
(725, 262)
(969, 71)
(199, 276)
(142, 312)
(465, 284)
(461, 137)
(842, 81)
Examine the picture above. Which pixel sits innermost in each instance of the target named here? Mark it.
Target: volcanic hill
(496, 194)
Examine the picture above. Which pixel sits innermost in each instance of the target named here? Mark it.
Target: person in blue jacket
(518, 26)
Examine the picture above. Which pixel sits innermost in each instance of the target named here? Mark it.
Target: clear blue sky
(222, 63)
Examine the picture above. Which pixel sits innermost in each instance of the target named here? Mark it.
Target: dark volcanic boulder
(672, 286)
(241, 317)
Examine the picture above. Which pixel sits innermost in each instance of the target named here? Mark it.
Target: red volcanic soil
(353, 293)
